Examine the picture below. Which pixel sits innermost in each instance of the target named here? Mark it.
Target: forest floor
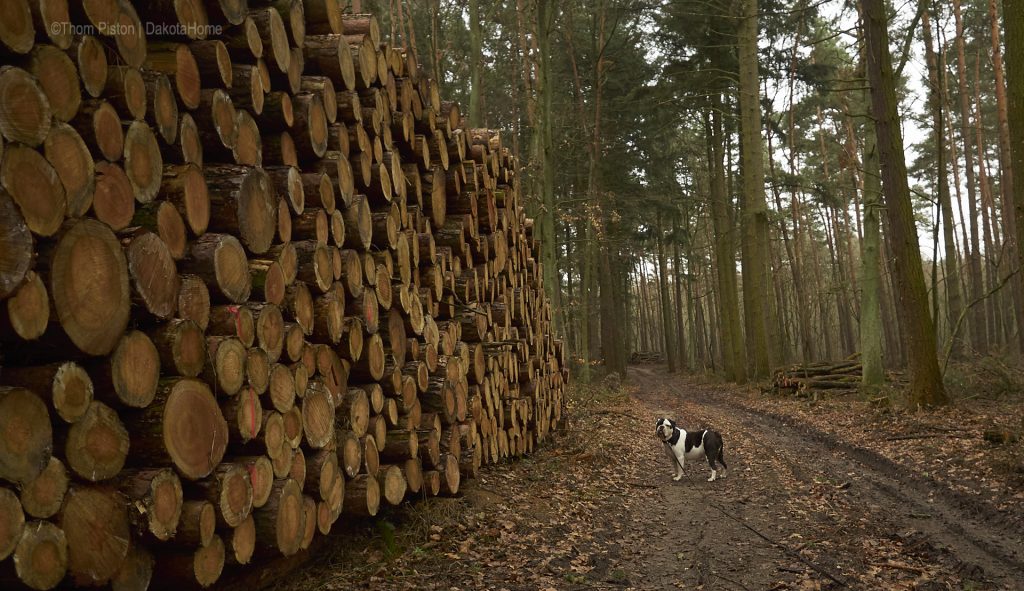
(828, 494)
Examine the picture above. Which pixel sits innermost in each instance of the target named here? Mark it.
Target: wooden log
(35, 187)
(15, 260)
(371, 456)
(329, 56)
(232, 320)
(358, 224)
(213, 62)
(261, 477)
(42, 496)
(226, 371)
(194, 301)
(293, 420)
(66, 386)
(370, 365)
(196, 526)
(353, 412)
(315, 264)
(96, 446)
(95, 523)
(401, 445)
(41, 557)
(258, 370)
(220, 261)
(201, 567)
(244, 415)
(317, 415)
(154, 274)
(310, 128)
(242, 542)
(274, 37)
(242, 202)
(321, 472)
(136, 571)
(230, 490)
(142, 161)
(362, 496)
(30, 124)
(26, 438)
(394, 484)
(311, 225)
(155, 500)
(184, 427)
(70, 158)
(113, 202)
(451, 478)
(12, 522)
(280, 524)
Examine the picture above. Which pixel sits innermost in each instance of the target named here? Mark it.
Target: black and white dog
(681, 445)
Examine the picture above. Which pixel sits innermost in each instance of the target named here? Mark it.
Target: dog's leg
(680, 464)
(721, 460)
(711, 463)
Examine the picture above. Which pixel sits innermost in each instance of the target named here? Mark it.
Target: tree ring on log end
(89, 283)
(194, 430)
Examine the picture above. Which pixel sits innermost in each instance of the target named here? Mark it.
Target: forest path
(801, 509)
(598, 510)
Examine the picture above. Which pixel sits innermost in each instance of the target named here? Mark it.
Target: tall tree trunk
(680, 308)
(979, 331)
(871, 329)
(1013, 16)
(1006, 178)
(993, 308)
(925, 388)
(936, 81)
(546, 14)
(476, 47)
(755, 261)
(435, 45)
(667, 320)
(732, 345)
(587, 280)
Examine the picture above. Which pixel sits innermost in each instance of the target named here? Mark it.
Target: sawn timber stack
(255, 276)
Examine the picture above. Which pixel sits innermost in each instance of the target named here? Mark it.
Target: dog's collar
(675, 436)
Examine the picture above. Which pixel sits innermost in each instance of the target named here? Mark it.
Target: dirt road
(798, 510)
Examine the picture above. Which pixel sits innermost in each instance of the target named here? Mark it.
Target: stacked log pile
(255, 276)
(801, 378)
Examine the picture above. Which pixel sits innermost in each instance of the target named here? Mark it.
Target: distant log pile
(843, 375)
(646, 357)
(255, 275)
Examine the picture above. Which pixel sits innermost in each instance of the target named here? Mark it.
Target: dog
(681, 445)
